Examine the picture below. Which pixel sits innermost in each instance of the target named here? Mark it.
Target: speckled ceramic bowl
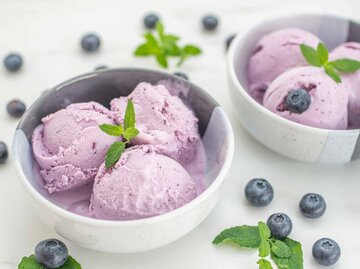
(288, 138)
(134, 235)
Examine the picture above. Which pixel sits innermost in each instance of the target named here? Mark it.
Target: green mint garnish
(285, 253)
(162, 46)
(127, 132)
(320, 58)
(31, 263)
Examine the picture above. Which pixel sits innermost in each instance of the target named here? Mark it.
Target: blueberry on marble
(298, 101)
(4, 153)
(210, 22)
(259, 192)
(13, 62)
(312, 205)
(51, 253)
(326, 252)
(90, 42)
(16, 108)
(280, 225)
(150, 21)
(181, 75)
(228, 41)
(101, 67)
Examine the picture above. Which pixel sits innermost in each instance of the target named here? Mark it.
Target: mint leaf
(244, 236)
(346, 65)
(323, 53)
(295, 261)
(280, 249)
(129, 119)
(31, 263)
(264, 264)
(264, 248)
(160, 30)
(114, 153)
(310, 55)
(131, 133)
(331, 72)
(192, 50)
(161, 59)
(264, 231)
(152, 42)
(114, 130)
(143, 50)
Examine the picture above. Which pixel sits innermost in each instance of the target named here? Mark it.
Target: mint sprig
(126, 132)
(162, 46)
(319, 57)
(285, 253)
(31, 263)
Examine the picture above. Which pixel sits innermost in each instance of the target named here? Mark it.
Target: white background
(47, 34)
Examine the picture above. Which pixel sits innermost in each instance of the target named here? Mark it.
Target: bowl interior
(331, 30)
(102, 87)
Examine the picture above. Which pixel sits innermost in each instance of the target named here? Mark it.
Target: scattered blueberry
(51, 253)
(181, 75)
(298, 101)
(101, 67)
(90, 42)
(280, 225)
(16, 108)
(259, 192)
(228, 41)
(210, 22)
(312, 205)
(150, 21)
(13, 62)
(326, 252)
(4, 153)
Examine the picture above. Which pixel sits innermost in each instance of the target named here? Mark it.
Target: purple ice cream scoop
(142, 184)
(163, 121)
(69, 145)
(351, 81)
(273, 54)
(329, 100)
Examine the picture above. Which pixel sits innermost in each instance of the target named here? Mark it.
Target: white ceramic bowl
(135, 235)
(288, 138)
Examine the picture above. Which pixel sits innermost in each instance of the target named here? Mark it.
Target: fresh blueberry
(298, 101)
(4, 153)
(51, 253)
(259, 192)
(312, 205)
(101, 67)
(90, 42)
(150, 21)
(210, 22)
(181, 75)
(16, 108)
(13, 62)
(326, 252)
(280, 225)
(228, 41)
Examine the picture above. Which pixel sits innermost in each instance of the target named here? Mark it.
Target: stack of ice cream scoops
(282, 80)
(160, 170)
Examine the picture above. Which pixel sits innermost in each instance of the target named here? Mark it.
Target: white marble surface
(47, 34)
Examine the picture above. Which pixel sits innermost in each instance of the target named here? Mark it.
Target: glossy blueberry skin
(51, 253)
(13, 62)
(228, 41)
(4, 153)
(326, 252)
(259, 192)
(298, 101)
(150, 21)
(280, 225)
(90, 42)
(181, 75)
(15, 108)
(312, 205)
(210, 22)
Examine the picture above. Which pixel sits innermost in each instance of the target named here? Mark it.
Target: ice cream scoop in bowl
(319, 131)
(113, 224)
